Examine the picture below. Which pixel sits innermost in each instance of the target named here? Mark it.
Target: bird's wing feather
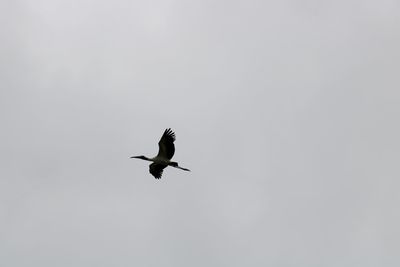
(156, 170)
(166, 144)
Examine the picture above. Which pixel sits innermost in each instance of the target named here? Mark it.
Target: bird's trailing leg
(182, 168)
(175, 164)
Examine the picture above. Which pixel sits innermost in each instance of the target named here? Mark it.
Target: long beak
(140, 157)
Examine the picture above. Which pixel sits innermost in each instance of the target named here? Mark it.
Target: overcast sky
(287, 113)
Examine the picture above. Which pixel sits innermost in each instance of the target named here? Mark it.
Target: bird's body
(165, 153)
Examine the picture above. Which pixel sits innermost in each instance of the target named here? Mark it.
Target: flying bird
(166, 150)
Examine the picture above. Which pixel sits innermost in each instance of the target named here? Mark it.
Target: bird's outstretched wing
(156, 170)
(166, 144)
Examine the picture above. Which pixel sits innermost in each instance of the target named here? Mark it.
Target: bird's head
(140, 157)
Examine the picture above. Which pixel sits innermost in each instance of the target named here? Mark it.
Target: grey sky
(287, 113)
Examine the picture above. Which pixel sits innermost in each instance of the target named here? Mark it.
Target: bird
(166, 150)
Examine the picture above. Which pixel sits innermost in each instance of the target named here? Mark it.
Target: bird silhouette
(166, 150)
